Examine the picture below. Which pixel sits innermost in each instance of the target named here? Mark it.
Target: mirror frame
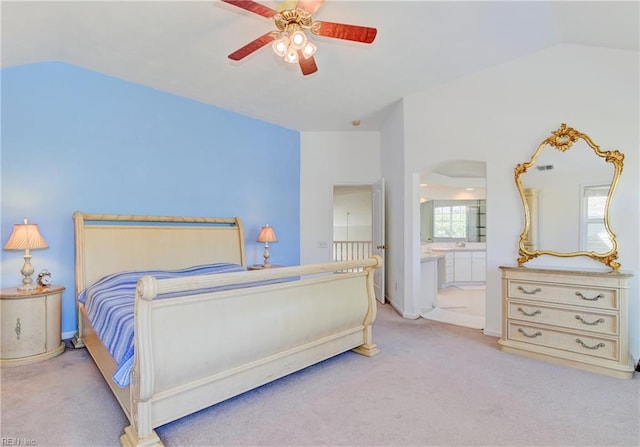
(562, 139)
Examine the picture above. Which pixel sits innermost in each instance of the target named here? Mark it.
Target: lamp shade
(267, 235)
(25, 236)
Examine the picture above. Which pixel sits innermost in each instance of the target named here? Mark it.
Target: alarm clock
(44, 278)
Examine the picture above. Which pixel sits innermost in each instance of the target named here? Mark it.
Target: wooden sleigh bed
(203, 342)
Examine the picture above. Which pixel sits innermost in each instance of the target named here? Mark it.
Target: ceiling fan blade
(307, 66)
(254, 7)
(356, 33)
(311, 6)
(253, 46)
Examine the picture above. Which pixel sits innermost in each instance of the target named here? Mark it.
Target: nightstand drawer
(22, 323)
(592, 346)
(574, 318)
(30, 325)
(573, 295)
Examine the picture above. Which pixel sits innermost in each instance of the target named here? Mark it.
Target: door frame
(378, 186)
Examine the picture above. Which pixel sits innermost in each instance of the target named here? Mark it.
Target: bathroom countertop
(431, 257)
(465, 248)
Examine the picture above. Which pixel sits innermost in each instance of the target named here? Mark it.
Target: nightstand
(31, 323)
(262, 267)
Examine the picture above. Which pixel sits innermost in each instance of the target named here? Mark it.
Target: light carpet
(433, 384)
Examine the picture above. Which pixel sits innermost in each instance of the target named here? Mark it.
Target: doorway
(358, 227)
(352, 222)
(453, 229)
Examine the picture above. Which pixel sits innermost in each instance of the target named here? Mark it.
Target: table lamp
(267, 235)
(26, 237)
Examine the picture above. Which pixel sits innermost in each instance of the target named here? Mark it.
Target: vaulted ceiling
(182, 47)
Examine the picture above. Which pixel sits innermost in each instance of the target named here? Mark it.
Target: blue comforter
(110, 304)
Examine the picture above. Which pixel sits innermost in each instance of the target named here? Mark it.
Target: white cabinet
(445, 269)
(478, 266)
(576, 318)
(469, 266)
(462, 266)
(429, 285)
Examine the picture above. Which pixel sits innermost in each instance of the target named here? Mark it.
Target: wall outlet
(323, 244)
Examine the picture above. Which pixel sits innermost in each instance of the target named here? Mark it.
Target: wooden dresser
(576, 318)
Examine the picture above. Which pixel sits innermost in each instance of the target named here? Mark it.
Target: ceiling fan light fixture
(292, 20)
(280, 46)
(309, 50)
(292, 55)
(298, 39)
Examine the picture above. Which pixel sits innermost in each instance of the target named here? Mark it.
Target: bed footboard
(223, 343)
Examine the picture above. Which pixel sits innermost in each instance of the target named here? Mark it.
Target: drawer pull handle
(532, 314)
(598, 346)
(537, 334)
(595, 298)
(594, 323)
(18, 328)
(530, 292)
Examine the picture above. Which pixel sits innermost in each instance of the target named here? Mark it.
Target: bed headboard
(110, 243)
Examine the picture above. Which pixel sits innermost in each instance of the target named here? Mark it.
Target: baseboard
(491, 333)
(403, 314)
(68, 335)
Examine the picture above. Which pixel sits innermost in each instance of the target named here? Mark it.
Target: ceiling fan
(290, 41)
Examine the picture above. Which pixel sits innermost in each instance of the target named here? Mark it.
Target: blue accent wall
(76, 140)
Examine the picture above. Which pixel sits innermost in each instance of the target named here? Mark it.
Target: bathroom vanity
(461, 265)
(429, 283)
(444, 265)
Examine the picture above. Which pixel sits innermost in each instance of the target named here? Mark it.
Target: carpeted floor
(433, 384)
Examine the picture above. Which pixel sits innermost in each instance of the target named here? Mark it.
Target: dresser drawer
(565, 294)
(593, 346)
(573, 318)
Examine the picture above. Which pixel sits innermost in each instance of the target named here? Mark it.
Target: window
(450, 221)
(594, 233)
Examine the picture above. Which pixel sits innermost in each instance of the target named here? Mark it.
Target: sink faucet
(460, 244)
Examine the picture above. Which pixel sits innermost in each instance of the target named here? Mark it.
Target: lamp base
(266, 256)
(27, 271)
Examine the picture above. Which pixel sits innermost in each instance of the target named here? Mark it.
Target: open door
(379, 246)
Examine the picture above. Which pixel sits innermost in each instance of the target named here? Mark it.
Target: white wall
(392, 142)
(500, 116)
(328, 159)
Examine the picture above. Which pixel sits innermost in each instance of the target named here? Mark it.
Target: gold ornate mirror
(566, 198)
